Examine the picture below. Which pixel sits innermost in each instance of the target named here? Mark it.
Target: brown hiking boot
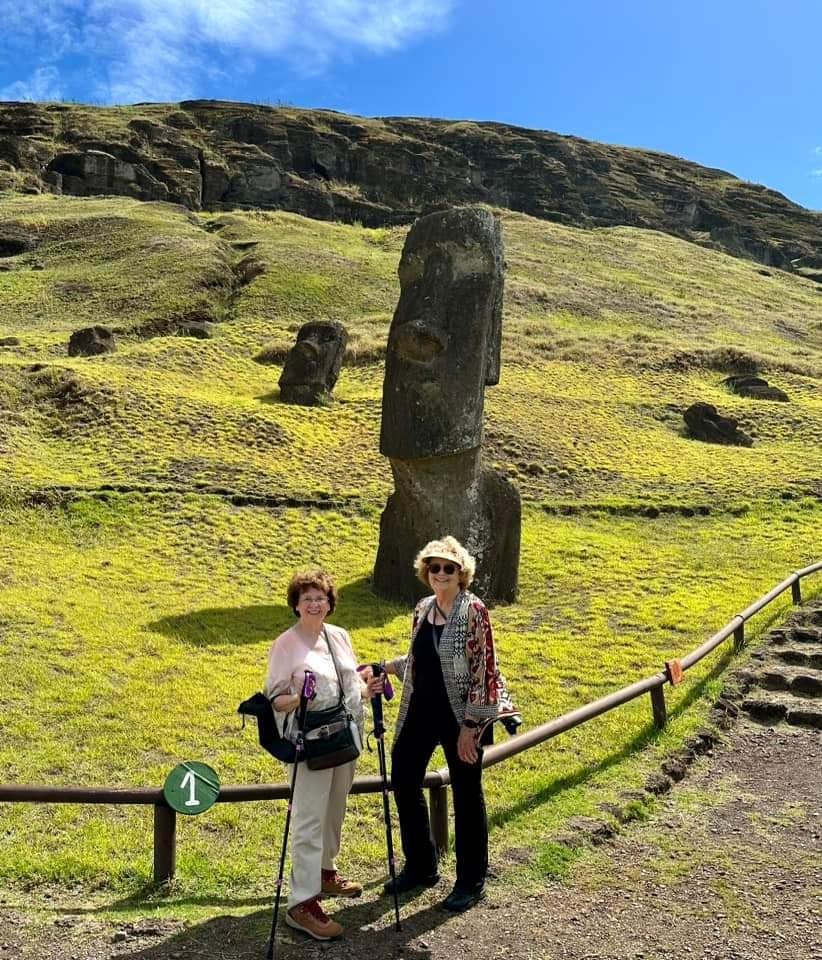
(310, 917)
(336, 886)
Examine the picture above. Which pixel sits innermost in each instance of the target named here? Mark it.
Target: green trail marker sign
(191, 787)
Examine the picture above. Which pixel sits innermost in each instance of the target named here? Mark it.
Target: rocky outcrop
(443, 349)
(218, 155)
(705, 423)
(15, 241)
(91, 342)
(314, 362)
(755, 387)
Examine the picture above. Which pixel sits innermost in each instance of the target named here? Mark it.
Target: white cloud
(158, 49)
(43, 84)
(816, 173)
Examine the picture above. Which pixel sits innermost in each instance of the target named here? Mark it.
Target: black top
(429, 687)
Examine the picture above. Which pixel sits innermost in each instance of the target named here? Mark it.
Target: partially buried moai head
(313, 364)
(444, 341)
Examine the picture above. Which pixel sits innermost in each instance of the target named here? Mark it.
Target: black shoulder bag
(332, 737)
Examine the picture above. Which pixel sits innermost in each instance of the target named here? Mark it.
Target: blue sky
(727, 83)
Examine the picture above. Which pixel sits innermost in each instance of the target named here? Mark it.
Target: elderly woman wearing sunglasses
(450, 690)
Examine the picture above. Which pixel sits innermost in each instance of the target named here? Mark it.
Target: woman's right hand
(286, 702)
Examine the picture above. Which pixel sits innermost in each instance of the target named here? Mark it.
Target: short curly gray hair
(448, 548)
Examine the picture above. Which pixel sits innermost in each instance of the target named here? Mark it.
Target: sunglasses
(447, 568)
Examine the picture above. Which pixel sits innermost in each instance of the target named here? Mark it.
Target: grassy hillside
(134, 619)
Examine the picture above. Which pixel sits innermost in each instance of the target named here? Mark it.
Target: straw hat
(448, 548)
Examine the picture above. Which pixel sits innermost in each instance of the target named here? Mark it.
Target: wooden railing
(165, 819)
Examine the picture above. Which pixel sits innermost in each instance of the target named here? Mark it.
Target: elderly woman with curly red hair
(451, 688)
(320, 795)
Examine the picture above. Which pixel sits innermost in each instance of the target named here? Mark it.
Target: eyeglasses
(447, 568)
(313, 600)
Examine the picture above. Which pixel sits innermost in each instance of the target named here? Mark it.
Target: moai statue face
(444, 341)
(313, 364)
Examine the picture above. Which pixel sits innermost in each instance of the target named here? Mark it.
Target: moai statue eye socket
(444, 341)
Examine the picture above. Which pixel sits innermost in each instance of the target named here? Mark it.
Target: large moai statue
(443, 348)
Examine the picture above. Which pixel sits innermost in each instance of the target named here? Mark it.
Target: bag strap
(336, 668)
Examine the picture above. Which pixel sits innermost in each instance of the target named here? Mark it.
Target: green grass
(133, 623)
(143, 621)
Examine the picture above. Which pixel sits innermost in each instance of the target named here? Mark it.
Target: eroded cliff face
(216, 155)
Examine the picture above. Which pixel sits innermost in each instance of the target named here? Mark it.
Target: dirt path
(729, 868)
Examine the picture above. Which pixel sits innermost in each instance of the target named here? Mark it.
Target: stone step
(773, 708)
(811, 614)
(798, 633)
(799, 658)
(802, 681)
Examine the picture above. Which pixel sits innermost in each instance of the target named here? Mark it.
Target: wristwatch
(471, 724)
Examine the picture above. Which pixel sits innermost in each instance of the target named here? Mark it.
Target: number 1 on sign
(189, 780)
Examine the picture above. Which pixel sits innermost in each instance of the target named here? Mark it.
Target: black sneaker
(405, 881)
(463, 898)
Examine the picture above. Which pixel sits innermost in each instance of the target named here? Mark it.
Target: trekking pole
(379, 736)
(309, 691)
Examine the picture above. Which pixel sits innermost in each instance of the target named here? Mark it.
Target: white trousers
(317, 816)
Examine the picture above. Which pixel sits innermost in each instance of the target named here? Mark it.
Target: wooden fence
(437, 781)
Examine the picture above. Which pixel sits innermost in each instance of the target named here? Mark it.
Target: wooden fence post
(739, 637)
(658, 707)
(165, 843)
(438, 806)
(796, 591)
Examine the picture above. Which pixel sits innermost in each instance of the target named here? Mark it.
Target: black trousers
(426, 726)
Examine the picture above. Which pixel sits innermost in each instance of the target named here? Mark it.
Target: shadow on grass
(648, 734)
(357, 607)
(273, 398)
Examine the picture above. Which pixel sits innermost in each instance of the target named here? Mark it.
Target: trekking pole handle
(308, 692)
(378, 670)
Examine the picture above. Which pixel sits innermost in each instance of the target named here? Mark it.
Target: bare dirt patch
(729, 868)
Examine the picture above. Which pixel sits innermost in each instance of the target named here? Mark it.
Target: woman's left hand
(375, 685)
(467, 745)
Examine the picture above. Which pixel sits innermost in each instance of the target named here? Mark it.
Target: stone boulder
(199, 329)
(91, 342)
(14, 240)
(313, 364)
(705, 423)
(755, 387)
(250, 267)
